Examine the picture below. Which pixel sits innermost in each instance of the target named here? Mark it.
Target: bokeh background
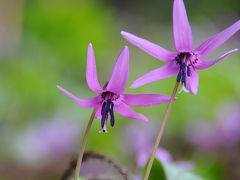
(44, 43)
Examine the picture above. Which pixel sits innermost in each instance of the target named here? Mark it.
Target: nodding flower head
(111, 97)
(185, 60)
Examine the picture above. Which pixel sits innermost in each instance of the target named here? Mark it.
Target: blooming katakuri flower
(112, 98)
(186, 60)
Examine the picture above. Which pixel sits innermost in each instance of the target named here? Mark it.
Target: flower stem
(83, 145)
(160, 132)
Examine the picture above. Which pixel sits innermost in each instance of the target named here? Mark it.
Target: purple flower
(143, 155)
(186, 60)
(112, 97)
(163, 156)
(140, 140)
(224, 132)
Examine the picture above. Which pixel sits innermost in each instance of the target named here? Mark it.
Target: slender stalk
(83, 145)
(160, 132)
(84, 142)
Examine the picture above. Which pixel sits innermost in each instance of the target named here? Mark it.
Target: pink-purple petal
(98, 112)
(203, 64)
(119, 77)
(140, 100)
(86, 103)
(217, 40)
(149, 47)
(163, 72)
(144, 153)
(126, 111)
(192, 82)
(91, 72)
(181, 28)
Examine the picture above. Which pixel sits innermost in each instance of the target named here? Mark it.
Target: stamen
(184, 79)
(103, 120)
(188, 71)
(183, 67)
(108, 105)
(103, 111)
(107, 109)
(185, 60)
(179, 76)
(112, 115)
(104, 126)
(182, 74)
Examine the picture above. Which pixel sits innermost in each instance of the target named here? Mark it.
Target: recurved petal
(126, 111)
(192, 82)
(203, 64)
(119, 77)
(163, 72)
(86, 103)
(91, 72)
(217, 40)
(149, 47)
(181, 28)
(140, 100)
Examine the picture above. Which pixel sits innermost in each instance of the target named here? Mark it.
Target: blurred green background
(44, 43)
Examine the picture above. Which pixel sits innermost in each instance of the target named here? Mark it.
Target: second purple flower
(185, 60)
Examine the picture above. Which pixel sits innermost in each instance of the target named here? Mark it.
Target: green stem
(83, 145)
(160, 132)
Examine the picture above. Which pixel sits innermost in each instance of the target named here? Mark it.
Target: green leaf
(166, 171)
(174, 173)
(157, 171)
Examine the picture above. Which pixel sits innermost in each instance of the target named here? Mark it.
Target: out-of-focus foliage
(174, 173)
(165, 171)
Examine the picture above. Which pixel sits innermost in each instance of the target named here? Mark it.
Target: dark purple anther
(108, 105)
(179, 76)
(107, 110)
(184, 79)
(181, 73)
(112, 115)
(188, 71)
(183, 67)
(104, 120)
(104, 114)
(103, 111)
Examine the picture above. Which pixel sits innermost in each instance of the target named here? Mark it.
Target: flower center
(185, 61)
(109, 95)
(107, 109)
